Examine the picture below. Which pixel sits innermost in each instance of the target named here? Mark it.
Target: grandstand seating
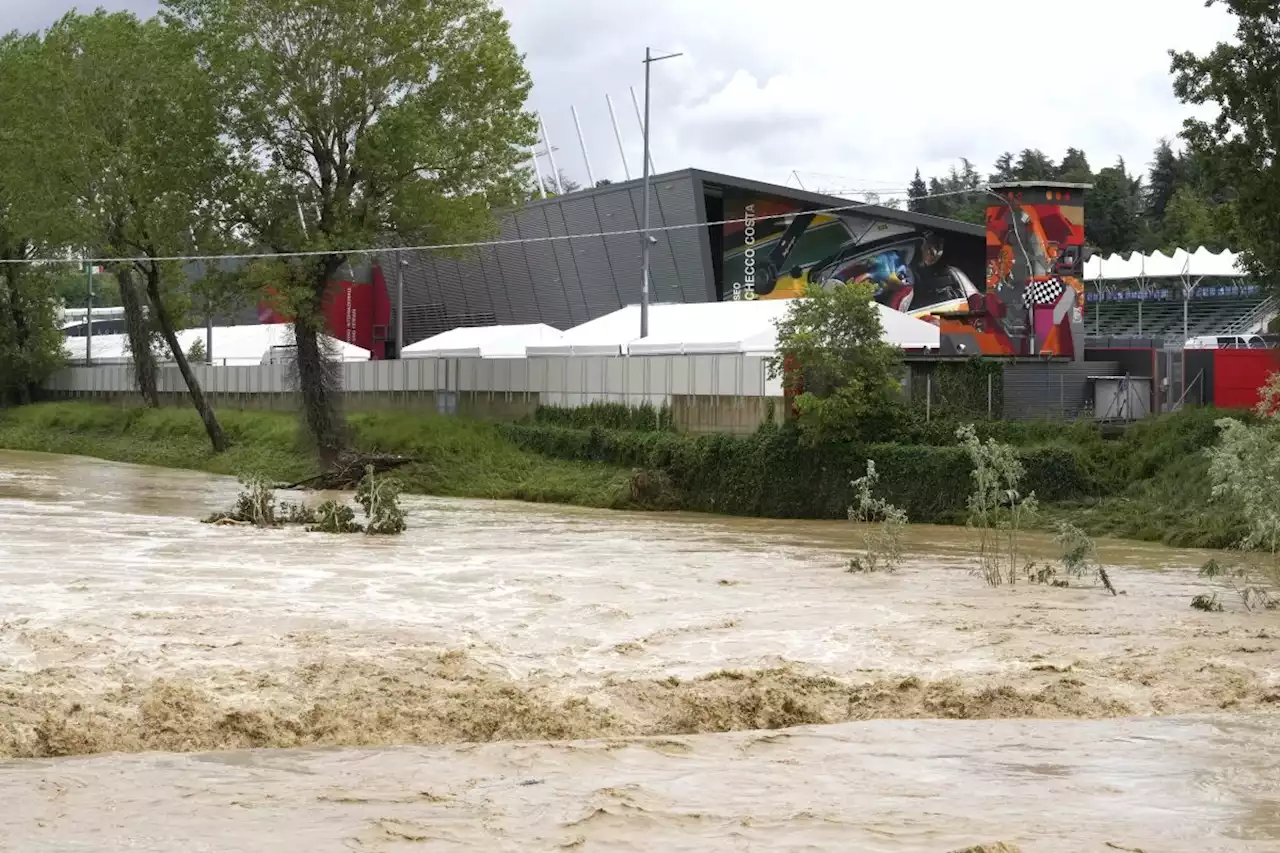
(1163, 318)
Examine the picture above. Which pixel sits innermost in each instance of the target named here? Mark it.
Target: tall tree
(1112, 215)
(1167, 173)
(1241, 145)
(917, 193)
(355, 121)
(144, 158)
(1004, 169)
(1188, 222)
(1035, 165)
(33, 219)
(1074, 168)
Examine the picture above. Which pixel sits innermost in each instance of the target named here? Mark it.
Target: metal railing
(1260, 314)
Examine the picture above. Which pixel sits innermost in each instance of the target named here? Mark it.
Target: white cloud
(849, 93)
(863, 92)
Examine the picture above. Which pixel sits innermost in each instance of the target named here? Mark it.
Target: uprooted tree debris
(347, 472)
(377, 494)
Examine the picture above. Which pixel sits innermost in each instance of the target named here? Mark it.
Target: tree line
(1182, 201)
(302, 128)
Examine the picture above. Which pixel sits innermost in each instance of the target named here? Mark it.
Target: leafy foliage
(1239, 147)
(998, 508)
(379, 496)
(643, 418)
(776, 473)
(1245, 471)
(1184, 201)
(881, 523)
(334, 517)
(255, 505)
(832, 357)
(139, 170)
(30, 343)
(1207, 602)
(410, 126)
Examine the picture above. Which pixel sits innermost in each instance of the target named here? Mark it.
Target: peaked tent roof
(711, 327)
(232, 345)
(484, 342)
(1201, 263)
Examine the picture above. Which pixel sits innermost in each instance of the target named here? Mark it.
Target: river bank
(1149, 484)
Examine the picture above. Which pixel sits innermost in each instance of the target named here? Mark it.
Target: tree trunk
(211, 425)
(140, 329)
(317, 375)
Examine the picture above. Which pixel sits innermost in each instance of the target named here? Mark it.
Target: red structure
(356, 312)
(1034, 299)
(1239, 373)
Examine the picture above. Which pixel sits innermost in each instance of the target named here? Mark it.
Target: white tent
(1201, 263)
(607, 335)
(232, 345)
(710, 327)
(484, 342)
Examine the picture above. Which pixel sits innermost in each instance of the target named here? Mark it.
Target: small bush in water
(256, 505)
(1253, 587)
(1207, 603)
(997, 507)
(379, 496)
(882, 525)
(334, 517)
(1079, 557)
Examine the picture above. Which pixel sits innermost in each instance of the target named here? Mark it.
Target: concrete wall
(707, 393)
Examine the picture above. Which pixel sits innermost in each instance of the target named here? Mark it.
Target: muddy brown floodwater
(512, 677)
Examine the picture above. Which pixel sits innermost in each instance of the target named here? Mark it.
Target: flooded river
(511, 677)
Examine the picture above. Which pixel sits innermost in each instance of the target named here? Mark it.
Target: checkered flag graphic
(1044, 292)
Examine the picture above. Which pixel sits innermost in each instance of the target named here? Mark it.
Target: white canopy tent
(485, 342)
(232, 345)
(1199, 264)
(711, 328)
(607, 335)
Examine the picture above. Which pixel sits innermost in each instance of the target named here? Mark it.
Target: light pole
(645, 239)
(400, 302)
(88, 315)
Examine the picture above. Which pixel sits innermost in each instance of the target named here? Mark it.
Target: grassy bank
(1150, 483)
(458, 458)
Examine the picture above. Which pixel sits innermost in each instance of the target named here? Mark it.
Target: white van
(1227, 342)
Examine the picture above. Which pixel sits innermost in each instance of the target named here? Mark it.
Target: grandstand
(1174, 297)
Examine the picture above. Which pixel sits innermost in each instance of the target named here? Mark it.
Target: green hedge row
(645, 418)
(771, 474)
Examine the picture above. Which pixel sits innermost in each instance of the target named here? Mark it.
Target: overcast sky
(851, 94)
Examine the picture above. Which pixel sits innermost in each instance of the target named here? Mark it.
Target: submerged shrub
(379, 496)
(334, 517)
(882, 526)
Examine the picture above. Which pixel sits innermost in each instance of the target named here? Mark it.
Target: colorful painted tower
(1034, 299)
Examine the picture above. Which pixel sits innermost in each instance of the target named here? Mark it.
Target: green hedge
(645, 418)
(771, 474)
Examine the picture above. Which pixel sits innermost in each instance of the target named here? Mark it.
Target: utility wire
(475, 245)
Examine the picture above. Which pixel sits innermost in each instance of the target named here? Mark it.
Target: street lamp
(646, 240)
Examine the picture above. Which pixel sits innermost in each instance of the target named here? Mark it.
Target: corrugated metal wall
(1051, 389)
(565, 282)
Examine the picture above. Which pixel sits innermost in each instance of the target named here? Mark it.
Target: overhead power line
(436, 247)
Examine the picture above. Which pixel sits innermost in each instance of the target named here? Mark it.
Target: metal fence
(708, 393)
(729, 392)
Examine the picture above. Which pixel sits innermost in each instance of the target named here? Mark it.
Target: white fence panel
(556, 380)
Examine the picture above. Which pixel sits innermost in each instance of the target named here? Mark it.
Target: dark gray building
(569, 281)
